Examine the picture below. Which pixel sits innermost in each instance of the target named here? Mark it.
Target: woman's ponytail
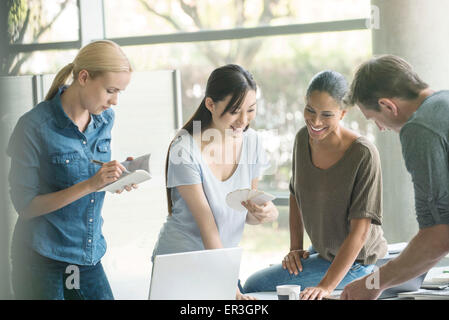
(60, 79)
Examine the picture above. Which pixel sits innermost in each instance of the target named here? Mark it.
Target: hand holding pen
(108, 173)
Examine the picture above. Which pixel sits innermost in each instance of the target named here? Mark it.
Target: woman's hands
(264, 213)
(240, 296)
(315, 293)
(292, 261)
(108, 173)
(128, 188)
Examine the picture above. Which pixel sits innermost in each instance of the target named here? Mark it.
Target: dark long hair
(229, 80)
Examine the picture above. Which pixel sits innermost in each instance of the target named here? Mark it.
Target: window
(38, 62)
(172, 16)
(34, 24)
(36, 21)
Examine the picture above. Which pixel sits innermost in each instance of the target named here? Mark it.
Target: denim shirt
(49, 153)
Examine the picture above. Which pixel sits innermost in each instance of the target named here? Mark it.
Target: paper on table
(424, 294)
(139, 169)
(234, 199)
(396, 247)
(442, 278)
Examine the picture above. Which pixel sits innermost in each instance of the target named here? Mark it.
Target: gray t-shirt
(329, 199)
(424, 140)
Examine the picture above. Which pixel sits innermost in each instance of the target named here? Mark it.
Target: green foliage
(27, 22)
(16, 16)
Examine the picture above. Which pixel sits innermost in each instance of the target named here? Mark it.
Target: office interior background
(173, 46)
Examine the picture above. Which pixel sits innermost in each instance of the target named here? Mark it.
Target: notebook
(196, 275)
(139, 171)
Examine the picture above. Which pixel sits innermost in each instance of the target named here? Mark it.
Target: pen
(102, 163)
(97, 162)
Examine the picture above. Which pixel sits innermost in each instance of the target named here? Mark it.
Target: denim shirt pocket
(66, 167)
(104, 150)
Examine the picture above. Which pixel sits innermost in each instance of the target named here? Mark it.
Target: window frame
(91, 17)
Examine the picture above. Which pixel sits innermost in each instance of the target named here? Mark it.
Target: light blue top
(180, 233)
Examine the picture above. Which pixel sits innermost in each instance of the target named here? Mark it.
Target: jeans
(314, 269)
(35, 277)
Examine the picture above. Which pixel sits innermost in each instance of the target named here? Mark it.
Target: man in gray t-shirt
(388, 91)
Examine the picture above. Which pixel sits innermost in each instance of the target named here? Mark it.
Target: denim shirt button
(67, 161)
(91, 220)
(89, 240)
(84, 142)
(92, 201)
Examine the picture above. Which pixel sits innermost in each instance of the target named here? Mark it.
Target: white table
(271, 295)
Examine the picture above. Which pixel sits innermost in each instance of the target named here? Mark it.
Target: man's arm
(428, 247)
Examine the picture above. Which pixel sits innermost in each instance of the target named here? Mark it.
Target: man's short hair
(385, 76)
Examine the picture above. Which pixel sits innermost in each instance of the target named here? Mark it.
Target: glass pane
(41, 61)
(38, 21)
(146, 17)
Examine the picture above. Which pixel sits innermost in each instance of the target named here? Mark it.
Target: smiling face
(322, 115)
(100, 92)
(232, 122)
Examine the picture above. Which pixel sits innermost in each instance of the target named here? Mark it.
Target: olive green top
(330, 198)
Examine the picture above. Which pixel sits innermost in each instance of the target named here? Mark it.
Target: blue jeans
(313, 270)
(35, 277)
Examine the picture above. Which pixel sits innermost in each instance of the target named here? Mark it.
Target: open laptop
(410, 285)
(196, 275)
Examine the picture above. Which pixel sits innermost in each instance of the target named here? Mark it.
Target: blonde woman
(57, 242)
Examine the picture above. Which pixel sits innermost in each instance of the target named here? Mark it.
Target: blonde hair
(96, 58)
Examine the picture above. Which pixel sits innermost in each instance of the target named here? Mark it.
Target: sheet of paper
(396, 247)
(262, 198)
(140, 163)
(235, 198)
